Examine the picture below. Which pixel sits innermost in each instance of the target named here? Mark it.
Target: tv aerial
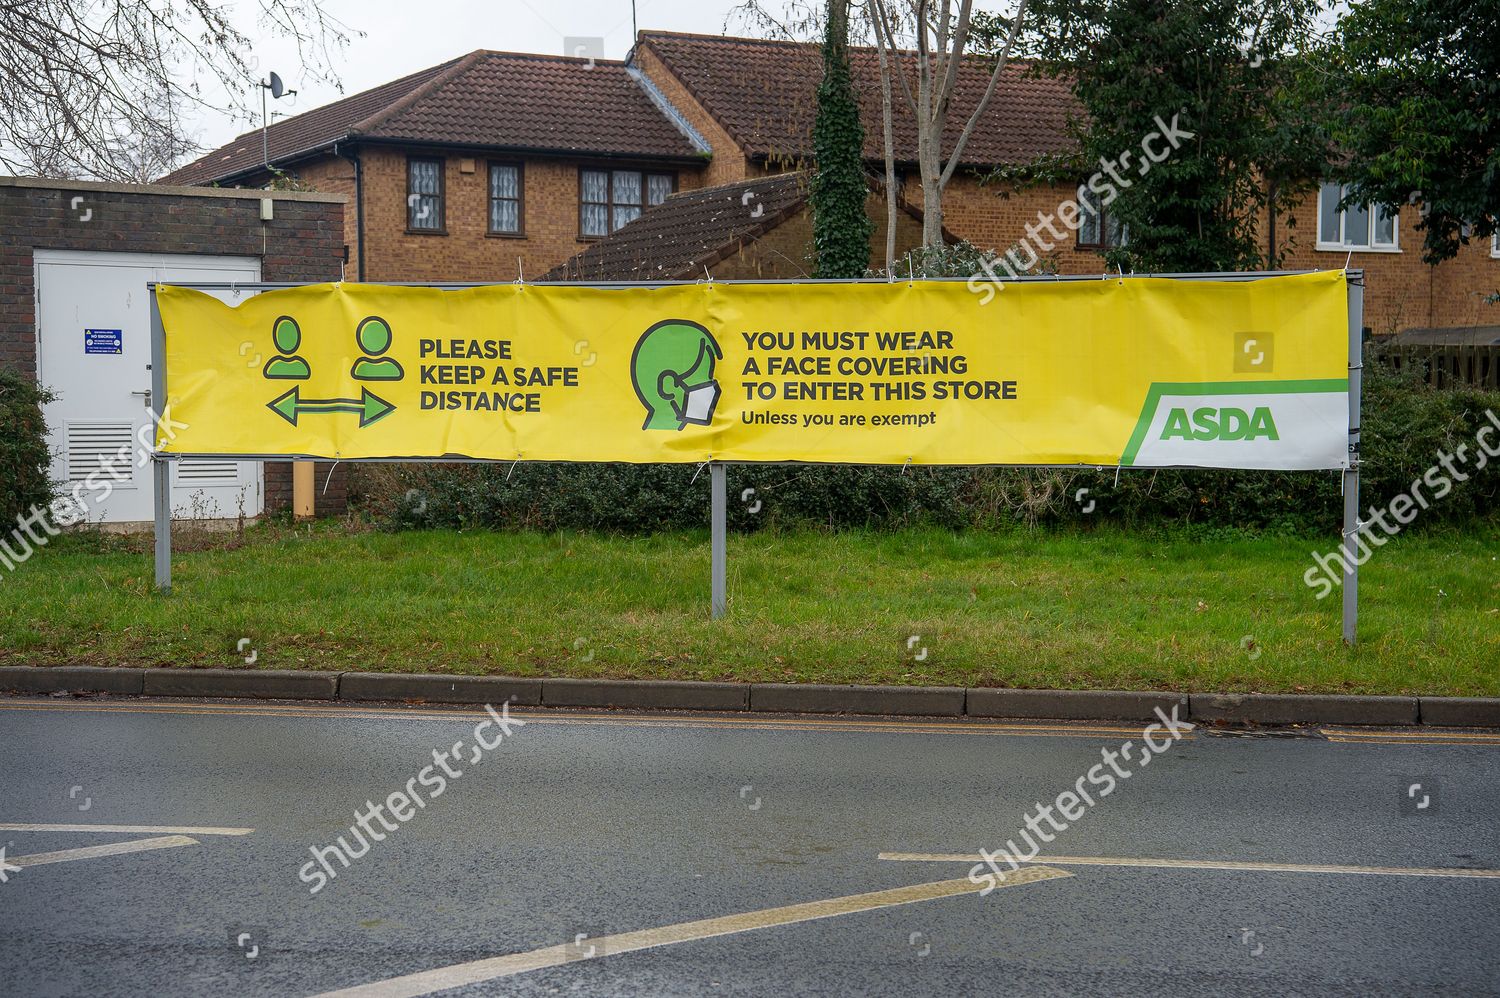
(277, 90)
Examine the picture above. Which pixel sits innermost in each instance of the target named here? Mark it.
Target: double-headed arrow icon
(369, 406)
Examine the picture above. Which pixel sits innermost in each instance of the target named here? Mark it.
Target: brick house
(498, 164)
(481, 169)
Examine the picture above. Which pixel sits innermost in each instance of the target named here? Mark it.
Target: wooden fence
(1447, 366)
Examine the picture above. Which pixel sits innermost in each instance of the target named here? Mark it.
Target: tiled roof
(310, 130)
(498, 100)
(764, 93)
(689, 231)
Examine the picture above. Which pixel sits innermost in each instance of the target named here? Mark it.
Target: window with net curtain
(424, 195)
(505, 198)
(609, 199)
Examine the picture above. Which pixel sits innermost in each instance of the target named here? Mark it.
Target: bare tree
(887, 130)
(97, 88)
(941, 40)
(919, 39)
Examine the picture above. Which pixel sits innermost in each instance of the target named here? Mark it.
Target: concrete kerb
(439, 689)
(791, 698)
(646, 693)
(260, 684)
(810, 698)
(1073, 705)
(1460, 712)
(1281, 708)
(72, 678)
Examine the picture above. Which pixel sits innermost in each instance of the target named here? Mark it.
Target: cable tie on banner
(906, 465)
(520, 272)
(1117, 476)
(513, 464)
(705, 464)
(911, 274)
(707, 276)
(329, 480)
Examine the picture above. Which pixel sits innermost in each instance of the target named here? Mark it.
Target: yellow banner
(1141, 372)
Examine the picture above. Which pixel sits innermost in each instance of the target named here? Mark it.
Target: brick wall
(728, 165)
(785, 252)
(466, 251)
(1401, 291)
(995, 217)
(303, 243)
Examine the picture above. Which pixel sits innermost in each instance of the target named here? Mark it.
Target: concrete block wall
(304, 243)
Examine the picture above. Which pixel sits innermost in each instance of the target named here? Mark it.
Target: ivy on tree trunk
(841, 228)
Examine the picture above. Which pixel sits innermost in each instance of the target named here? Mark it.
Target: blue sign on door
(102, 341)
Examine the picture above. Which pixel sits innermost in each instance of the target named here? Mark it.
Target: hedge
(24, 458)
(1406, 424)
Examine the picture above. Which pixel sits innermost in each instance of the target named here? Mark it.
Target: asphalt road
(603, 854)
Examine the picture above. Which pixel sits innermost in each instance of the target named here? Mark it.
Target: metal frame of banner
(717, 476)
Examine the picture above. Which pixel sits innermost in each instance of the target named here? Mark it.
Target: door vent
(207, 474)
(96, 448)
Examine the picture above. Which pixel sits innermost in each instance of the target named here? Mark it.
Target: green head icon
(286, 335)
(673, 373)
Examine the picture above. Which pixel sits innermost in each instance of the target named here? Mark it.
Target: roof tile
(500, 100)
(677, 238)
(764, 93)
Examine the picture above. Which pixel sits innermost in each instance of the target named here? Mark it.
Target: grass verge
(1039, 609)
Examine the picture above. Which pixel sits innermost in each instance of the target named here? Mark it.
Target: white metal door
(93, 316)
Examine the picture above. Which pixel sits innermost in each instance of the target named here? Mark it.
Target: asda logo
(1273, 425)
(1220, 424)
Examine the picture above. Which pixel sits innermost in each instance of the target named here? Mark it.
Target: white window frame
(1338, 243)
(1495, 246)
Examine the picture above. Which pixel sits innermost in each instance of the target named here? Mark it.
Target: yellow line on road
(95, 852)
(159, 829)
(1203, 864)
(1417, 737)
(937, 726)
(479, 971)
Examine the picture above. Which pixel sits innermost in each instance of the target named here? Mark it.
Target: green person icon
(286, 365)
(374, 337)
(672, 369)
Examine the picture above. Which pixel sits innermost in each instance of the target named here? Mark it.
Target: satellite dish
(277, 87)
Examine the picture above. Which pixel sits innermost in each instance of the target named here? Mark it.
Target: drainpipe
(1271, 217)
(359, 206)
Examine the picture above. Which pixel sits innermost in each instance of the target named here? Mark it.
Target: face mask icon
(701, 400)
(672, 370)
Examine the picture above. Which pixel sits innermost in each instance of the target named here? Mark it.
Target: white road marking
(1203, 864)
(128, 829)
(478, 971)
(112, 849)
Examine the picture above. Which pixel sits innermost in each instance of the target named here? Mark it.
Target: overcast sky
(401, 37)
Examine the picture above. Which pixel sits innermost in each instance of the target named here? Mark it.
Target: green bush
(1406, 423)
(23, 447)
